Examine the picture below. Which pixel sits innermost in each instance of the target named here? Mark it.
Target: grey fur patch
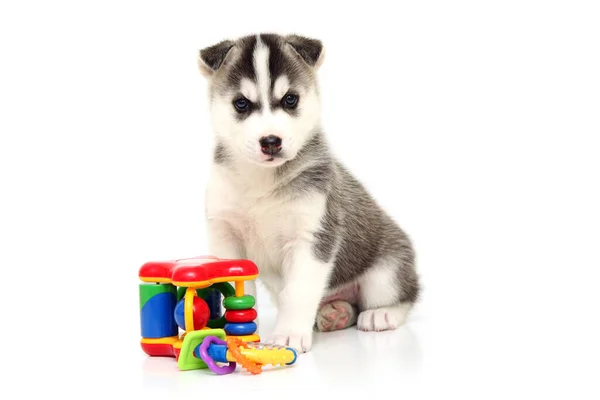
(221, 155)
(242, 66)
(325, 238)
(213, 56)
(309, 49)
(364, 234)
(307, 172)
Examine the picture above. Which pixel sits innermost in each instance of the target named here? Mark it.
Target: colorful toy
(210, 347)
(186, 295)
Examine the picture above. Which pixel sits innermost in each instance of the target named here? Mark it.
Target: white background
(474, 123)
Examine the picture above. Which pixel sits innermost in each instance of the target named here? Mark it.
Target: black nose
(270, 144)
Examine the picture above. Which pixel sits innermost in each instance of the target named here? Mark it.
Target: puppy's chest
(266, 225)
(262, 223)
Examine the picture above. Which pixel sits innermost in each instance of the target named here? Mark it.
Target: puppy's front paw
(300, 341)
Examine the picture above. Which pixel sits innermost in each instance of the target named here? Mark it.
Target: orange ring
(233, 345)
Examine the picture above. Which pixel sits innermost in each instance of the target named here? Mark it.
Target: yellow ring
(188, 308)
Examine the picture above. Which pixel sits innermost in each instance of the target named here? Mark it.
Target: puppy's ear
(211, 58)
(310, 50)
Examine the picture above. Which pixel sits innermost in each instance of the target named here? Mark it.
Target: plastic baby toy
(186, 295)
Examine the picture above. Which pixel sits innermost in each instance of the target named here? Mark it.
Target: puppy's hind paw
(383, 319)
(336, 316)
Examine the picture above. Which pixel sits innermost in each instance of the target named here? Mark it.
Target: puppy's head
(264, 94)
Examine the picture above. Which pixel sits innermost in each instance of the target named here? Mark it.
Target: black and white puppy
(328, 254)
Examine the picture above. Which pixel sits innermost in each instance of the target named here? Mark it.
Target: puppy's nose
(270, 144)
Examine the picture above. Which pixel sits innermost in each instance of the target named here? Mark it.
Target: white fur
(282, 85)
(243, 137)
(249, 90)
(384, 318)
(378, 286)
(377, 290)
(245, 222)
(305, 280)
(261, 66)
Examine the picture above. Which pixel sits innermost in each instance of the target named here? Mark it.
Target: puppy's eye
(290, 100)
(241, 104)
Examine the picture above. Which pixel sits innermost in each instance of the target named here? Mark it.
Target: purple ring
(227, 369)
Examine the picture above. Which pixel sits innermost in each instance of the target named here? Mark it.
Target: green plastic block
(187, 361)
(149, 290)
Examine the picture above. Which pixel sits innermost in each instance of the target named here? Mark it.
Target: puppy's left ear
(211, 58)
(310, 50)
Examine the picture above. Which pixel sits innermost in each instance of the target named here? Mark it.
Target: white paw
(381, 319)
(300, 341)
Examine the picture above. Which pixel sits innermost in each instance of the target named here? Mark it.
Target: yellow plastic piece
(239, 288)
(188, 308)
(203, 284)
(234, 349)
(274, 357)
(165, 340)
(246, 338)
(152, 280)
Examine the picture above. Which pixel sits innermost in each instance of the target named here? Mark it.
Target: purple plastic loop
(226, 369)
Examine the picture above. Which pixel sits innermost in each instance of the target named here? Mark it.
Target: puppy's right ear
(211, 58)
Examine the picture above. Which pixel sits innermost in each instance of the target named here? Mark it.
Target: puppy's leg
(304, 282)
(222, 240)
(387, 294)
(224, 243)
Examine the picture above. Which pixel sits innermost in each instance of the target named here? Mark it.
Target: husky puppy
(329, 256)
